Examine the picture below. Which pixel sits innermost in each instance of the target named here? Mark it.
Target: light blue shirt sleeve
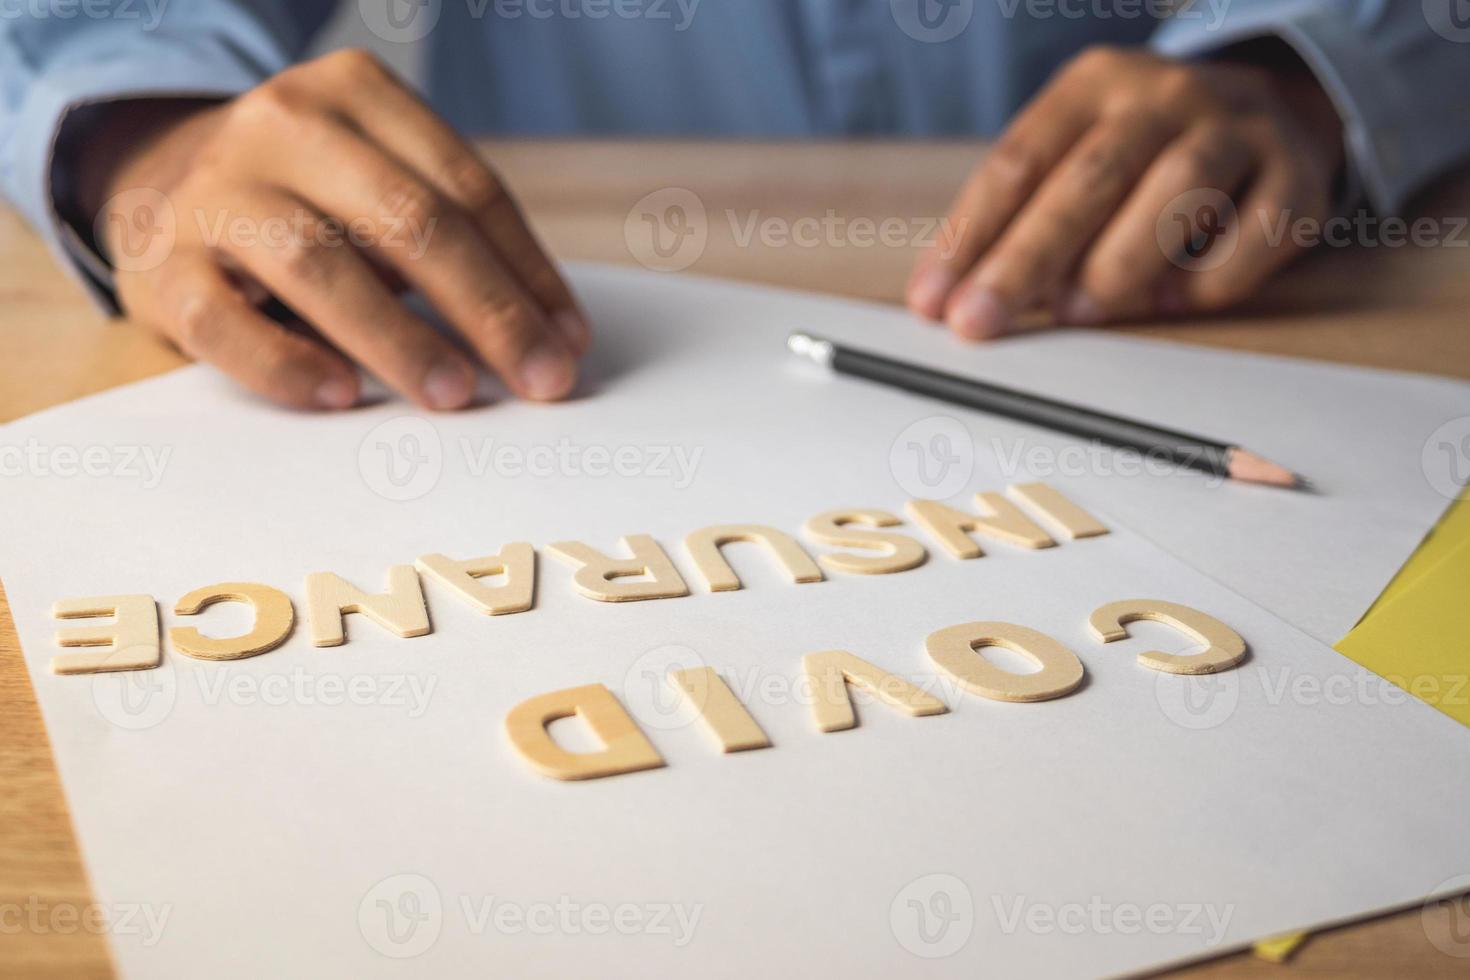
(60, 57)
(1398, 72)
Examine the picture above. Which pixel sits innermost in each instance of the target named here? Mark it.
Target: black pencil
(1196, 452)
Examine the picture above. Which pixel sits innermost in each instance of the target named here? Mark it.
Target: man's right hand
(328, 186)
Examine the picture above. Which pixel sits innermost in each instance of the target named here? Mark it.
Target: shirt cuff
(1370, 96)
(199, 69)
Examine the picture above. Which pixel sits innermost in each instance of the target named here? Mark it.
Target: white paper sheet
(325, 812)
(1386, 450)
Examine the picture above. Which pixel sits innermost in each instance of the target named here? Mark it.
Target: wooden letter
(130, 642)
(625, 747)
(400, 610)
(516, 561)
(833, 527)
(955, 650)
(999, 519)
(1064, 516)
(1223, 646)
(273, 619)
(724, 715)
(704, 547)
(597, 574)
(832, 670)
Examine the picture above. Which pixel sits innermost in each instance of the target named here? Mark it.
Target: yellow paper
(1278, 949)
(1452, 531)
(1414, 635)
(1418, 638)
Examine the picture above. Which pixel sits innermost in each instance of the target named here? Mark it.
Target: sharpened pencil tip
(1251, 468)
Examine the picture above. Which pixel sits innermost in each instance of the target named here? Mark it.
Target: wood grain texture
(1400, 308)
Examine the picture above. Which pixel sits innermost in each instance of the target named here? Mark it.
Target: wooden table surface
(1399, 307)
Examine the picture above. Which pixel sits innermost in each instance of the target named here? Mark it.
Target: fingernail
(448, 385)
(547, 373)
(978, 315)
(1082, 310)
(929, 290)
(573, 330)
(336, 393)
